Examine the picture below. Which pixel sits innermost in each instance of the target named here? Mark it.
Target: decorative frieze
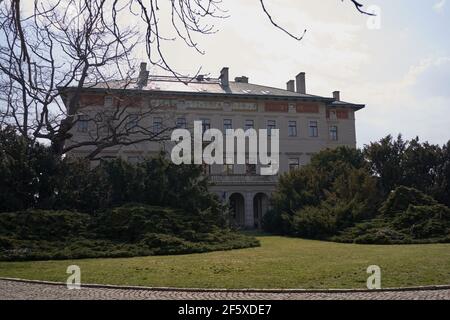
(92, 100)
(199, 105)
(342, 114)
(109, 100)
(307, 107)
(276, 107)
(163, 103)
(335, 114)
(244, 106)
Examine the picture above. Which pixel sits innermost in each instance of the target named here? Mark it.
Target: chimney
(241, 79)
(224, 77)
(290, 85)
(337, 95)
(143, 75)
(301, 83)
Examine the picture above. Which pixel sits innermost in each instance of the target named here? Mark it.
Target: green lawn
(279, 263)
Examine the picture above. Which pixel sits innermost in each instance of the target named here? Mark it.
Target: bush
(43, 225)
(407, 216)
(32, 177)
(131, 230)
(313, 223)
(343, 206)
(337, 197)
(318, 200)
(155, 181)
(132, 222)
(423, 222)
(382, 236)
(6, 243)
(325, 220)
(27, 172)
(272, 222)
(417, 224)
(402, 197)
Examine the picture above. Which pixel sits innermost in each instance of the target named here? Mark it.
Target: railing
(243, 179)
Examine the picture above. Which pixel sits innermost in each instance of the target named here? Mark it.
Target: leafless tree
(54, 50)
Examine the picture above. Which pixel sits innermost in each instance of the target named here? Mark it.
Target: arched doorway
(237, 204)
(260, 207)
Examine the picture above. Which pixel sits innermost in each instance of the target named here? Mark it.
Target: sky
(398, 64)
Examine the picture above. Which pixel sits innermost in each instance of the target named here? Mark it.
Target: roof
(344, 104)
(212, 87)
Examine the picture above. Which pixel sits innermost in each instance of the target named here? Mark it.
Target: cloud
(439, 6)
(414, 104)
(425, 65)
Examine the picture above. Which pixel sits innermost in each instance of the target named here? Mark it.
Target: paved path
(28, 290)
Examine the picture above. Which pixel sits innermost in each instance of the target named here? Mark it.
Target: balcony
(244, 179)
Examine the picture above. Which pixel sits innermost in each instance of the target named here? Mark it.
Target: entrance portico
(247, 208)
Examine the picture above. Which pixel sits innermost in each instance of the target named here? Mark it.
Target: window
(333, 133)
(251, 169)
(333, 115)
(157, 124)
(227, 124)
(132, 121)
(294, 163)
(249, 124)
(181, 123)
(82, 123)
(206, 124)
(228, 169)
(313, 129)
(271, 124)
(292, 128)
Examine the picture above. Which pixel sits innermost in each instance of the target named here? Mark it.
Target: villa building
(307, 124)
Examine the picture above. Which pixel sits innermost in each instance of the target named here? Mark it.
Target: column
(249, 217)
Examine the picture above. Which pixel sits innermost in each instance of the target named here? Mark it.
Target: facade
(307, 124)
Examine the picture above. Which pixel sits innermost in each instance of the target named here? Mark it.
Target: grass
(279, 263)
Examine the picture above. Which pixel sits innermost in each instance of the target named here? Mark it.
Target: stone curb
(200, 290)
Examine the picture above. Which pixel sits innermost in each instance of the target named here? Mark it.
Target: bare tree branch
(299, 38)
(52, 53)
(359, 7)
